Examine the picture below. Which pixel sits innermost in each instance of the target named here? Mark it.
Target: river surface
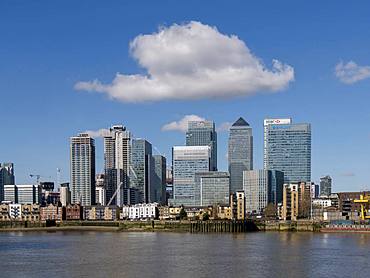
(105, 254)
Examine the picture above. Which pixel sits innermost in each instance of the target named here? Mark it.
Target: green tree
(183, 214)
(205, 216)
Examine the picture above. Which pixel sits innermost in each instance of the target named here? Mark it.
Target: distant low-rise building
(224, 212)
(31, 212)
(15, 211)
(51, 212)
(4, 212)
(73, 212)
(140, 211)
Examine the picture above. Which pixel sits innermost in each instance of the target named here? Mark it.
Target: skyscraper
(288, 149)
(117, 161)
(186, 161)
(203, 133)
(82, 154)
(143, 169)
(240, 153)
(159, 179)
(214, 188)
(325, 186)
(6, 177)
(262, 187)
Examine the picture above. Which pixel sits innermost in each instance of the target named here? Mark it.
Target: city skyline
(41, 68)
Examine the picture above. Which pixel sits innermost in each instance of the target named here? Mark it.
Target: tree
(205, 216)
(270, 211)
(183, 214)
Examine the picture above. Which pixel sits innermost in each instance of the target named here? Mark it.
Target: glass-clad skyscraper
(82, 152)
(188, 160)
(143, 169)
(288, 149)
(240, 153)
(203, 133)
(325, 186)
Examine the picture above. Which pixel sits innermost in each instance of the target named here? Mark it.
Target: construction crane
(363, 201)
(120, 186)
(37, 176)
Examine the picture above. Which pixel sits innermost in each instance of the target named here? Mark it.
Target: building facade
(6, 177)
(203, 133)
(143, 169)
(117, 163)
(65, 194)
(159, 179)
(288, 149)
(261, 188)
(214, 188)
(188, 160)
(82, 155)
(240, 153)
(325, 186)
(100, 190)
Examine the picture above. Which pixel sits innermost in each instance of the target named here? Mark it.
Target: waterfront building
(159, 179)
(321, 203)
(237, 205)
(30, 212)
(214, 188)
(15, 211)
(224, 212)
(203, 133)
(117, 163)
(100, 190)
(140, 211)
(82, 155)
(240, 153)
(288, 149)
(188, 160)
(290, 202)
(325, 186)
(65, 194)
(51, 212)
(72, 212)
(6, 177)
(4, 212)
(10, 193)
(261, 188)
(143, 169)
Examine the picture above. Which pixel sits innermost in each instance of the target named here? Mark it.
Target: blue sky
(47, 47)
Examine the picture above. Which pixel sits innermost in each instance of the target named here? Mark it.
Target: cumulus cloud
(98, 133)
(351, 72)
(224, 127)
(192, 61)
(182, 124)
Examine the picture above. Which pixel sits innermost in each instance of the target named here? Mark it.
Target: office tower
(266, 123)
(261, 188)
(325, 186)
(288, 149)
(186, 161)
(28, 194)
(100, 191)
(117, 159)
(159, 179)
(65, 194)
(240, 153)
(10, 193)
(82, 152)
(143, 169)
(214, 188)
(6, 177)
(203, 133)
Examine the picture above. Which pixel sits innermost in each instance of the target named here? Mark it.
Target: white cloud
(224, 126)
(351, 72)
(181, 125)
(98, 133)
(192, 61)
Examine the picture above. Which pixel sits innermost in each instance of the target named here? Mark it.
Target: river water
(105, 254)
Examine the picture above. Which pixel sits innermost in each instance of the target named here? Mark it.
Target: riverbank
(182, 226)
